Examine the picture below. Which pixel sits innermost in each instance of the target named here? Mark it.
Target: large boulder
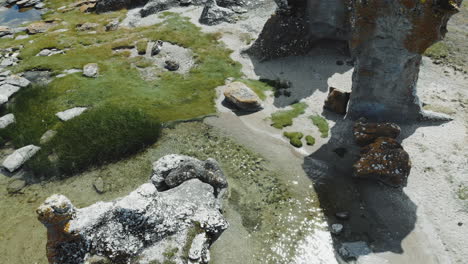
(366, 133)
(385, 160)
(241, 96)
(145, 225)
(388, 40)
(112, 5)
(213, 14)
(337, 101)
(19, 157)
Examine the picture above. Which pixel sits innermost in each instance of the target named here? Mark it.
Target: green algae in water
(274, 216)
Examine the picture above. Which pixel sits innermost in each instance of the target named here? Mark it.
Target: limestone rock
(16, 186)
(142, 225)
(17, 81)
(156, 6)
(19, 157)
(5, 31)
(242, 96)
(388, 39)
(112, 25)
(87, 26)
(38, 27)
(71, 113)
(91, 70)
(172, 170)
(6, 120)
(213, 14)
(7, 90)
(384, 160)
(47, 136)
(365, 133)
(337, 101)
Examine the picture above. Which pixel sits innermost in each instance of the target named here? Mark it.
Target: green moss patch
(310, 140)
(322, 125)
(94, 138)
(285, 118)
(294, 138)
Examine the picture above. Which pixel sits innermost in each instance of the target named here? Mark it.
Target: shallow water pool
(15, 17)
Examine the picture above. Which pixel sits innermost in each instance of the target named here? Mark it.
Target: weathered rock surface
(337, 101)
(87, 26)
(7, 90)
(112, 25)
(70, 113)
(213, 14)
(298, 25)
(146, 224)
(112, 5)
(5, 31)
(47, 136)
(388, 38)
(242, 97)
(366, 133)
(91, 70)
(172, 170)
(6, 120)
(17, 81)
(39, 27)
(384, 160)
(16, 186)
(156, 6)
(19, 157)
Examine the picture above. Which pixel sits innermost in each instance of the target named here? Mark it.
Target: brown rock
(88, 26)
(242, 96)
(87, 7)
(337, 101)
(384, 160)
(38, 27)
(365, 133)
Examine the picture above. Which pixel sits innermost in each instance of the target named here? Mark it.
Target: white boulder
(19, 157)
(6, 120)
(71, 113)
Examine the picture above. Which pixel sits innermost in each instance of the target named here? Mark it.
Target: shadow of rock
(306, 73)
(236, 110)
(380, 215)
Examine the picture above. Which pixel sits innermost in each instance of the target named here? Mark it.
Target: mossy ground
(310, 140)
(322, 125)
(295, 138)
(170, 97)
(284, 118)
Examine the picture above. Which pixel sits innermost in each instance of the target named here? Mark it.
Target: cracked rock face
(388, 38)
(177, 225)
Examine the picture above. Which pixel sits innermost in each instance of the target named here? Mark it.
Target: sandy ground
(425, 222)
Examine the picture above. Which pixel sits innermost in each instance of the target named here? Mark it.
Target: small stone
(87, 26)
(336, 229)
(71, 113)
(91, 70)
(354, 249)
(38, 27)
(47, 136)
(19, 157)
(156, 48)
(171, 65)
(16, 186)
(44, 53)
(339, 62)
(113, 25)
(342, 215)
(6, 120)
(99, 186)
(460, 223)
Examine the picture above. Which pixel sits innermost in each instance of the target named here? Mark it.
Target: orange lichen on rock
(384, 160)
(366, 133)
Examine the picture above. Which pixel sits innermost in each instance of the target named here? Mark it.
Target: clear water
(15, 17)
(273, 218)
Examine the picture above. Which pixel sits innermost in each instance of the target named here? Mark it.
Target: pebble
(336, 229)
(342, 215)
(16, 186)
(98, 185)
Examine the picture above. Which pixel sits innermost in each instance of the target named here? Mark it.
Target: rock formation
(388, 39)
(337, 101)
(173, 219)
(298, 24)
(242, 97)
(382, 157)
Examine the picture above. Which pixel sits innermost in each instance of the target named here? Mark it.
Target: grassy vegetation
(437, 51)
(310, 140)
(258, 87)
(294, 138)
(440, 109)
(322, 124)
(285, 118)
(170, 97)
(141, 46)
(462, 192)
(94, 138)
